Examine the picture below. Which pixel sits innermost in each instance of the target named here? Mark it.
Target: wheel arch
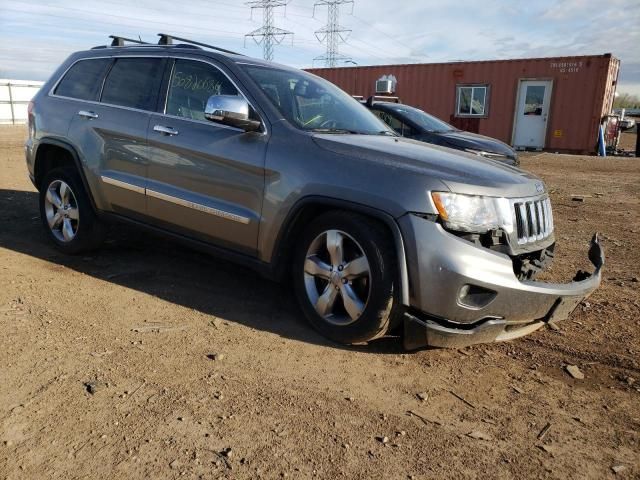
(310, 207)
(45, 161)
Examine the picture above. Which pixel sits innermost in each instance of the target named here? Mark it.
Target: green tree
(626, 100)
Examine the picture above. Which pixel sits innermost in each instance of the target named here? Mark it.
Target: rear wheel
(66, 212)
(344, 274)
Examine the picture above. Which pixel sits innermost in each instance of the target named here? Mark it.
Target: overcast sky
(36, 35)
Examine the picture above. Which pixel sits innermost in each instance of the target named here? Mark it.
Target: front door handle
(165, 130)
(87, 114)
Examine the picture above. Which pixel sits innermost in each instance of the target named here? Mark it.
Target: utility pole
(268, 35)
(332, 33)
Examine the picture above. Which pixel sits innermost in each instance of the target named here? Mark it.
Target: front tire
(67, 214)
(344, 275)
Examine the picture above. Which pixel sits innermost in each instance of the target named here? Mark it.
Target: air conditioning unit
(384, 86)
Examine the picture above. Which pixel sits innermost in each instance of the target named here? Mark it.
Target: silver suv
(280, 170)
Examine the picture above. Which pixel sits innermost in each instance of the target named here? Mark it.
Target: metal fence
(14, 99)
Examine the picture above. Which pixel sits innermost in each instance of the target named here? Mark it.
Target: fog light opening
(473, 296)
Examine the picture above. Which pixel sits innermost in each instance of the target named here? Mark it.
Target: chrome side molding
(175, 200)
(121, 184)
(198, 206)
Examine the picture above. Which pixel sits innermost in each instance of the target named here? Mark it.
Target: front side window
(399, 127)
(84, 79)
(472, 100)
(134, 83)
(390, 120)
(313, 104)
(191, 85)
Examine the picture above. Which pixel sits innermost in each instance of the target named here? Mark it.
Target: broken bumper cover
(463, 294)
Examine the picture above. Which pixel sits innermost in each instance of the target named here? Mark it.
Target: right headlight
(473, 213)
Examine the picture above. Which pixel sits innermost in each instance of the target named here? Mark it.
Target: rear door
(205, 180)
(111, 132)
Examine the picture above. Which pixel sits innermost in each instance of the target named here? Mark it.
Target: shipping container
(536, 103)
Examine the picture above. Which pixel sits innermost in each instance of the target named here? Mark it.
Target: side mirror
(230, 110)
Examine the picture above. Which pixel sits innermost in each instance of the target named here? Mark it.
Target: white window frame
(473, 87)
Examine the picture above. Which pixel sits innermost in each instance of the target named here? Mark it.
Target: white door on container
(532, 113)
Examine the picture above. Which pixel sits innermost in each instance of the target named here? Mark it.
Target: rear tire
(344, 271)
(67, 214)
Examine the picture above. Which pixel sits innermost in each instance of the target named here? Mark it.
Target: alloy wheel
(337, 277)
(61, 209)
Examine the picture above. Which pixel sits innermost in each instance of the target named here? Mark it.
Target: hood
(461, 172)
(460, 139)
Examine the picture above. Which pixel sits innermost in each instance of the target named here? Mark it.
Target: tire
(67, 214)
(371, 307)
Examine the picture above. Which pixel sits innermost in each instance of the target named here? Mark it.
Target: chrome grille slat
(541, 229)
(531, 232)
(525, 225)
(533, 219)
(519, 224)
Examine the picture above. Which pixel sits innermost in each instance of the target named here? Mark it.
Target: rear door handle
(87, 114)
(165, 130)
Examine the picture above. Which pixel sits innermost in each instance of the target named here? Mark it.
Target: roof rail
(380, 98)
(118, 41)
(166, 39)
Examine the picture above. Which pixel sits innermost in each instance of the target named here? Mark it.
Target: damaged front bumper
(463, 294)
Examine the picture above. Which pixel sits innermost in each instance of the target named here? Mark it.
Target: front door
(204, 179)
(532, 114)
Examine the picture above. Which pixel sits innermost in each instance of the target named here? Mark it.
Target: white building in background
(14, 99)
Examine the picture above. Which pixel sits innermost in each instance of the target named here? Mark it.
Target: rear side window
(134, 83)
(84, 79)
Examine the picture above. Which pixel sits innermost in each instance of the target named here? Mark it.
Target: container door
(532, 114)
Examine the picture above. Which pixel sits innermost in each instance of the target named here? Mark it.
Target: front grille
(533, 219)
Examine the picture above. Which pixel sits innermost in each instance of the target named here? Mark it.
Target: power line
(372, 52)
(144, 23)
(379, 31)
(333, 34)
(141, 25)
(268, 35)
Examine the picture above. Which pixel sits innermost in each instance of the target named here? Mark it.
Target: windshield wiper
(335, 130)
(387, 132)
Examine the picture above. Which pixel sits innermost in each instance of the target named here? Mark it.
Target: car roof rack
(117, 41)
(380, 98)
(167, 39)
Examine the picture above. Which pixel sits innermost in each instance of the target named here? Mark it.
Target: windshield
(313, 104)
(422, 119)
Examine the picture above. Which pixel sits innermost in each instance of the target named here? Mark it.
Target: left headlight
(473, 213)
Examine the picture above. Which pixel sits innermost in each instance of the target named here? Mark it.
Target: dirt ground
(147, 360)
(628, 141)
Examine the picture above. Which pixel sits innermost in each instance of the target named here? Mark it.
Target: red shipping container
(537, 103)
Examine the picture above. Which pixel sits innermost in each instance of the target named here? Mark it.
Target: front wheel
(344, 274)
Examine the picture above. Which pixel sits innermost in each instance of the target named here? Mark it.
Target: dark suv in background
(282, 171)
(411, 122)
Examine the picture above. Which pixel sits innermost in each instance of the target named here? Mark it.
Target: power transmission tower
(332, 34)
(268, 35)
